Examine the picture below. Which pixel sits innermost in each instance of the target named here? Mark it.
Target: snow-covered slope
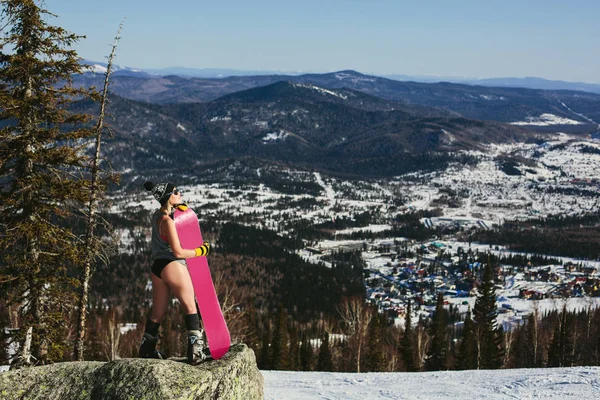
(550, 383)
(101, 67)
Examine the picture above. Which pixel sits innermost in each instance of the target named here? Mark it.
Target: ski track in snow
(552, 383)
(581, 115)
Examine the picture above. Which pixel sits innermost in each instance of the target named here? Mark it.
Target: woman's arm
(168, 230)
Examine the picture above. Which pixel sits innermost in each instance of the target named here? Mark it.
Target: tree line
(362, 339)
(579, 241)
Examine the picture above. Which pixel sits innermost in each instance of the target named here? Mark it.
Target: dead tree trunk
(89, 248)
(24, 359)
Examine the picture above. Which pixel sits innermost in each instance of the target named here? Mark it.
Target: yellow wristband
(202, 250)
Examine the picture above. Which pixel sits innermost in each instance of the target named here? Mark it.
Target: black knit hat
(160, 191)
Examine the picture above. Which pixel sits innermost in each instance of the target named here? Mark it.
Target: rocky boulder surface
(235, 376)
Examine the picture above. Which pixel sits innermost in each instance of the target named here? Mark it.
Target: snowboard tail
(190, 236)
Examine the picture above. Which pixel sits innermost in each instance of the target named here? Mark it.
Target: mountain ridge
(340, 130)
(501, 104)
(530, 82)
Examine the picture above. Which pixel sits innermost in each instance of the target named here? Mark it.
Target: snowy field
(549, 383)
(543, 186)
(558, 176)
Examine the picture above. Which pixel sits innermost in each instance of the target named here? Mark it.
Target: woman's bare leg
(178, 278)
(160, 298)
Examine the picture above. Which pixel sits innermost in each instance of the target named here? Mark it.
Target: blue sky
(485, 38)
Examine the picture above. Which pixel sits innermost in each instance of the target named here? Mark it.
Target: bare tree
(422, 343)
(509, 338)
(535, 332)
(229, 305)
(356, 315)
(112, 337)
(90, 247)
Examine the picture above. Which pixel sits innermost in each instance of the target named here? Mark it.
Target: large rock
(235, 376)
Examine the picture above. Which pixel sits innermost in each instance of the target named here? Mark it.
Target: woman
(169, 273)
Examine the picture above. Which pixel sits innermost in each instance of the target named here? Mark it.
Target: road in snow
(329, 192)
(549, 383)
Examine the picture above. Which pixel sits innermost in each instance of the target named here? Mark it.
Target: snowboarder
(169, 273)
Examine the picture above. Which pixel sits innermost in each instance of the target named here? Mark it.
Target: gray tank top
(160, 247)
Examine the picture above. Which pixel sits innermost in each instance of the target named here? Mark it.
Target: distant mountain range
(527, 82)
(501, 104)
(343, 122)
(338, 130)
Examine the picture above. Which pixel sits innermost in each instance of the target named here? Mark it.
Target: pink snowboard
(188, 229)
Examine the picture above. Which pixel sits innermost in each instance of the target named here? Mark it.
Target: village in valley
(542, 180)
(401, 270)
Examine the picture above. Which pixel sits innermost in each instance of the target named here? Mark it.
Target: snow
(450, 138)
(272, 136)
(215, 119)
(491, 97)
(521, 308)
(124, 328)
(354, 78)
(488, 193)
(551, 183)
(321, 90)
(547, 119)
(369, 228)
(552, 383)
(96, 68)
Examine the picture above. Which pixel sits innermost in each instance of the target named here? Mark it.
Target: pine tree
(251, 336)
(306, 354)
(264, 360)
(561, 347)
(437, 356)
(554, 350)
(525, 354)
(325, 360)
(596, 341)
(467, 353)
(279, 346)
(41, 169)
(375, 359)
(406, 343)
(294, 348)
(489, 338)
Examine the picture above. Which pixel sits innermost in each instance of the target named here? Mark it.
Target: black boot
(148, 347)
